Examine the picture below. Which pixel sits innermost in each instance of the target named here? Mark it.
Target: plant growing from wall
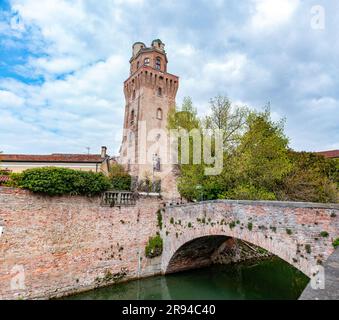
(250, 226)
(154, 247)
(308, 248)
(324, 234)
(159, 218)
(336, 243)
(289, 231)
(232, 225)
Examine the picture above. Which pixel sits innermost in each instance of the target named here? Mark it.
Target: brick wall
(55, 246)
(50, 247)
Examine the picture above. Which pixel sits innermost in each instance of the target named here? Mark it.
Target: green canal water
(267, 279)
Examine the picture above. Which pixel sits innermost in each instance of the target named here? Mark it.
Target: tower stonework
(150, 93)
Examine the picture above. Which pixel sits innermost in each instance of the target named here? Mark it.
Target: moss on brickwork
(232, 225)
(111, 278)
(274, 229)
(159, 218)
(308, 248)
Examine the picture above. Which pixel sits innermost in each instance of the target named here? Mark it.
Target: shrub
(121, 180)
(324, 234)
(336, 243)
(154, 247)
(14, 180)
(61, 181)
(249, 192)
(4, 172)
(250, 226)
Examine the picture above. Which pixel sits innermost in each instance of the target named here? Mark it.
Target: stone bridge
(54, 246)
(300, 233)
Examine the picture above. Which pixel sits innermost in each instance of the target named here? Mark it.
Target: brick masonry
(287, 229)
(71, 244)
(64, 245)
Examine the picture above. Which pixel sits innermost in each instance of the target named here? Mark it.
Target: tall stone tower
(150, 93)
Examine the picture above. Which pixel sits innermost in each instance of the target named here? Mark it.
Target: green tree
(261, 160)
(230, 119)
(258, 164)
(121, 180)
(312, 178)
(184, 118)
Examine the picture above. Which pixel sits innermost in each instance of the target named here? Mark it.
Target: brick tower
(150, 93)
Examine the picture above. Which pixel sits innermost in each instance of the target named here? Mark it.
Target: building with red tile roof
(332, 154)
(86, 162)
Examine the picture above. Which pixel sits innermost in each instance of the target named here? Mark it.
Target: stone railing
(118, 199)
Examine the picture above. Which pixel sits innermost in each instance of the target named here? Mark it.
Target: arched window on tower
(132, 117)
(134, 95)
(159, 114)
(159, 92)
(138, 65)
(158, 63)
(146, 61)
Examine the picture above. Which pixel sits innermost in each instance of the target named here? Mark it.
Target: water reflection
(269, 279)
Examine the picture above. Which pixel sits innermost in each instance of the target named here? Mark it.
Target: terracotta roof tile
(330, 154)
(85, 158)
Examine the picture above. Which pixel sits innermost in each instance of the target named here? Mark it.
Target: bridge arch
(291, 231)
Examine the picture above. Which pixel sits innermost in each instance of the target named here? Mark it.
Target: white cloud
(9, 100)
(82, 51)
(269, 14)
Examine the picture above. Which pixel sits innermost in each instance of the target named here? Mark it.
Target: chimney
(103, 152)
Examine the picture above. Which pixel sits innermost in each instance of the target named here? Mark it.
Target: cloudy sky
(63, 62)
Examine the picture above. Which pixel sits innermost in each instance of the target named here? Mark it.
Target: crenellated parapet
(147, 77)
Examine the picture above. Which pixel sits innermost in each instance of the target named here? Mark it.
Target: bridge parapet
(299, 233)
